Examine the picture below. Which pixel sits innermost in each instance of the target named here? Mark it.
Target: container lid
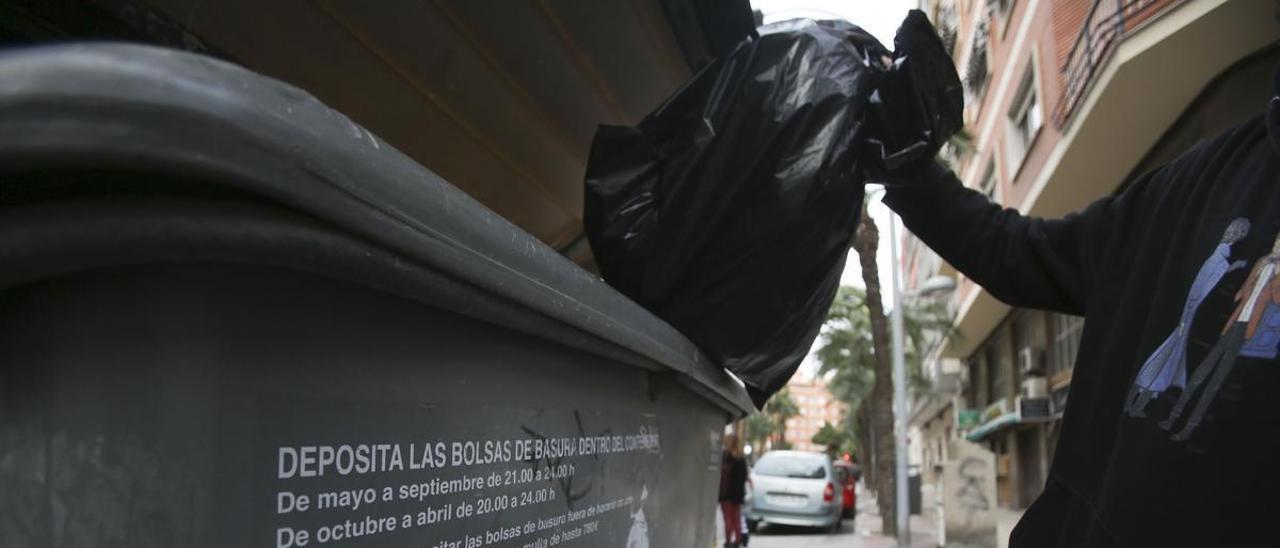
(165, 112)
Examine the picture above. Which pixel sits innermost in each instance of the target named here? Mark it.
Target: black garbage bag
(729, 210)
(919, 103)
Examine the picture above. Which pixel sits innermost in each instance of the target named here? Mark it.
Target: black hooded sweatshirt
(1171, 435)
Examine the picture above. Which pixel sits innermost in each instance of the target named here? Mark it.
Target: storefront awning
(987, 428)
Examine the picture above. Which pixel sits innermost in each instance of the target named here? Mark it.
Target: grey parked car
(795, 488)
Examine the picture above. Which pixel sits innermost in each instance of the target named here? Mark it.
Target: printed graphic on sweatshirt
(1252, 331)
(1167, 366)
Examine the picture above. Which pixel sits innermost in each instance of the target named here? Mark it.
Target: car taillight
(829, 493)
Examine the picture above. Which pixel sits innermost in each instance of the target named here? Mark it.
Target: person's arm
(1024, 261)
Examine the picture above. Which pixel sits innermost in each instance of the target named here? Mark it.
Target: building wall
(1020, 41)
(816, 406)
(934, 437)
(1023, 452)
(1038, 35)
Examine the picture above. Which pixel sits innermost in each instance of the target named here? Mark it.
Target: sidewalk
(923, 529)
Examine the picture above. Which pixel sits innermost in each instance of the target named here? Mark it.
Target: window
(976, 384)
(975, 75)
(1066, 342)
(926, 261)
(1022, 331)
(989, 186)
(996, 383)
(1000, 10)
(1029, 330)
(1024, 120)
(997, 367)
(947, 24)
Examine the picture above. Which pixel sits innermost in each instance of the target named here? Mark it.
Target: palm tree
(854, 355)
(781, 407)
(757, 428)
(834, 439)
(877, 416)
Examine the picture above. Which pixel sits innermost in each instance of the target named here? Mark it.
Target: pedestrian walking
(1156, 271)
(733, 490)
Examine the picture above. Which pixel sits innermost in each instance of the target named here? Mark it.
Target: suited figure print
(1252, 331)
(1167, 366)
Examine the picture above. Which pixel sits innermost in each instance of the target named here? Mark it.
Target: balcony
(1136, 67)
(1106, 24)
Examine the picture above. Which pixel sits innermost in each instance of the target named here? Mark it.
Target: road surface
(782, 536)
(864, 532)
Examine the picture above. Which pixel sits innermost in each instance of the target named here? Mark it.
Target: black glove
(919, 103)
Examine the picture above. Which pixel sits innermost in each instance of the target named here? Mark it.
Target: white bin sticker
(441, 477)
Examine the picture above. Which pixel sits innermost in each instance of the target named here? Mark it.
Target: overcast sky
(881, 18)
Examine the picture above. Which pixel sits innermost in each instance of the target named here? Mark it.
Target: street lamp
(933, 285)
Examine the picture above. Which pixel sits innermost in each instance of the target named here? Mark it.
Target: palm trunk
(880, 403)
(866, 444)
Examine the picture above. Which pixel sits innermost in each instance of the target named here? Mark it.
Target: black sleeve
(1024, 261)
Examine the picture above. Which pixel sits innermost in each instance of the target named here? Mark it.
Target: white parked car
(795, 488)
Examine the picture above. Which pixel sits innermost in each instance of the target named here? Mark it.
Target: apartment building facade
(1066, 102)
(816, 407)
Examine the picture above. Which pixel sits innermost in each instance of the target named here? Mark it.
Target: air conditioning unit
(1034, 409)
(950, 366)
(1035, 386)
(948, 384)
(1030, 360)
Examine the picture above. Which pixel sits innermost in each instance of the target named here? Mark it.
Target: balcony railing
(1107, 23)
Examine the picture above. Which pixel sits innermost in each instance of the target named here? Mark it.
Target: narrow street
(862, 532)
(785, 536)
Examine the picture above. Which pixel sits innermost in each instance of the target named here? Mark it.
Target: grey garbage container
(229, 316)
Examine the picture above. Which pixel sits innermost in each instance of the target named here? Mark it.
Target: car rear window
(788, 466)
